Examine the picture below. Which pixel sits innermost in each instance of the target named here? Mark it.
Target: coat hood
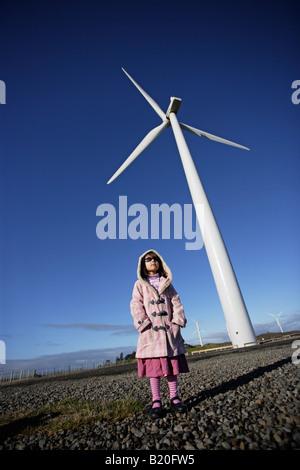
(167, 271)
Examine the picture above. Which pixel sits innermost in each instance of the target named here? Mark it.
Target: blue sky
(72, 117)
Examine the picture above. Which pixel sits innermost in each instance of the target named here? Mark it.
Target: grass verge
(66, 414)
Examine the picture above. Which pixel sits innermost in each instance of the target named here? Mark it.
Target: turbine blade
(147, 140)
(147, 97)
(193, 130)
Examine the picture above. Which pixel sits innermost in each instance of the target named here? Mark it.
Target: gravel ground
(239, 401)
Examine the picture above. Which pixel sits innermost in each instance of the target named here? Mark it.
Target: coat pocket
(146, 337)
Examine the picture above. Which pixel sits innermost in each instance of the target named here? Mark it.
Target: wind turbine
(198, 331)
(276, 317)
(239, 325)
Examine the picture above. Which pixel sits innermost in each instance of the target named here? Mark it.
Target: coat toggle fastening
(163, 313)
(165, 328)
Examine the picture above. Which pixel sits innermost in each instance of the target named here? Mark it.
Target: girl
(158, 316)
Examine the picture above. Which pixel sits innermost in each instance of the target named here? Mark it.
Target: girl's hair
(144, 271)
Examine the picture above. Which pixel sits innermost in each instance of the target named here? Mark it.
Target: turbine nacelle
(173, 106)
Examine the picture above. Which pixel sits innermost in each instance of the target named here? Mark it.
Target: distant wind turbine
(238, 322)
(276, 317)
(198, 331)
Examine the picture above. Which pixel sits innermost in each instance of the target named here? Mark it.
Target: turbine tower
(276, 317)
(238, 322)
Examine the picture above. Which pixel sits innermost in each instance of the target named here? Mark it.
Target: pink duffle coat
(158, 316)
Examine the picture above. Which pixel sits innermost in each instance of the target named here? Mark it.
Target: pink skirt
(162, 366)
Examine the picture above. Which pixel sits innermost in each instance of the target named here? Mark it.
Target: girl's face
(151, 264)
